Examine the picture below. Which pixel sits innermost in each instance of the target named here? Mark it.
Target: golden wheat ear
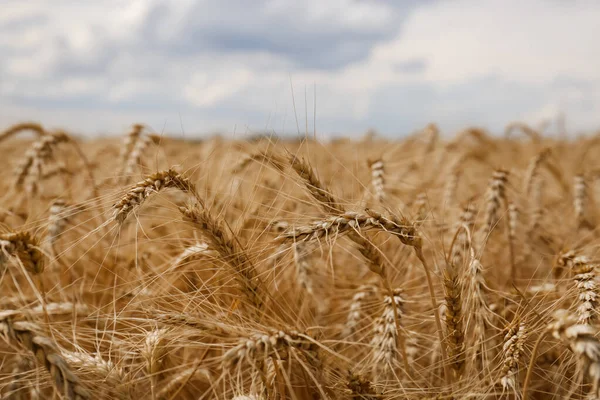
(154, 183)
(25, 248)
(26, 335)
(227, 245)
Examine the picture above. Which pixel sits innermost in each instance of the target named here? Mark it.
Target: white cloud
(205, 90)
(528, 41)
(375, 64)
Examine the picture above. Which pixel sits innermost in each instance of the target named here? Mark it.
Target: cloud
(394, 66)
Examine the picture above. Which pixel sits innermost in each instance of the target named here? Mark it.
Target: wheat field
(420, 268)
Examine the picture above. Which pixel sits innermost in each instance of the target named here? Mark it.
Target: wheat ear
(302, 259)
(454, 320)
(378, 178)
(24, 247)
(532, 174)
(224, 242)
(360, 388)
(95, 364)
(129, 142)
(261, 346)
(580, 201)
(135, 156)
(16, 387)
(582, 340)
(191, 253)
(331, 206)
(25, 126)
(584, 275)
(496, 195)
(261, 157)
(57, 220)
(459, 250)
(512, 349)
(533, 134)
(314, 186)
(46, 353)
(153, 183)
(385, 338)
(350, 222)
(354, 315)
(153, 351)
(41, 151)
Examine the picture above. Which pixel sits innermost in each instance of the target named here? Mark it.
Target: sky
(194, 67)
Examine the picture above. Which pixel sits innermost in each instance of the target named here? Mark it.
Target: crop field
(427, 267)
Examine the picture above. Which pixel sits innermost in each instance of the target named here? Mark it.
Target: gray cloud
(291, 31)
(411, 66)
